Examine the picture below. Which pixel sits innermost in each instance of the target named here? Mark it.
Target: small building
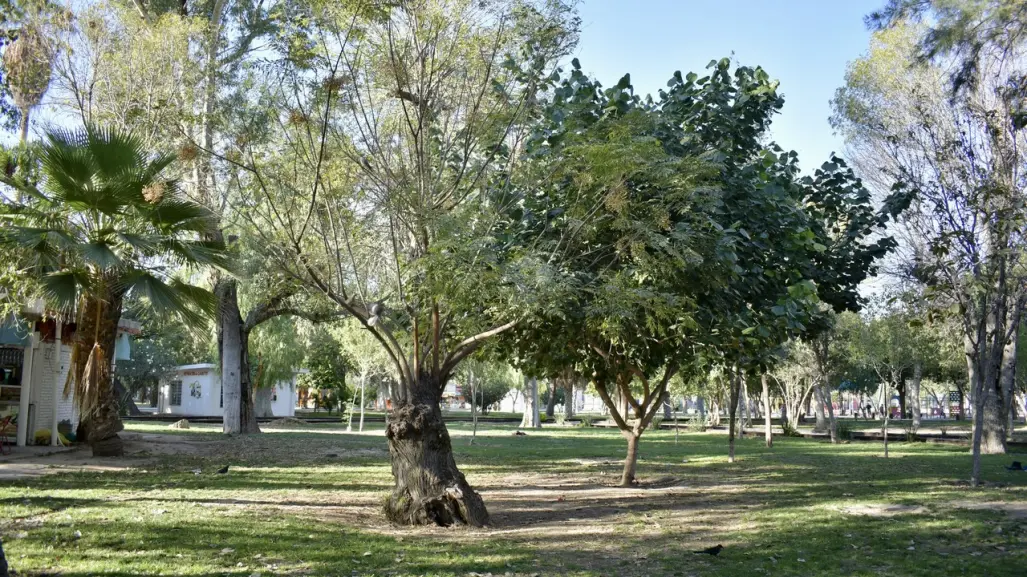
(195, 391)
(35, 359)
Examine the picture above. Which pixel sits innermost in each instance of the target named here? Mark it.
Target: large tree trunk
(832, 423)
(914, 394)
(551, 402)
(474, 412)
(99, 326)
(767, 433)
(568, 398)
(819, 409)
(732, 411)
(429, 488)
(240, 416)
(993, 432)
(363, 383)
(530, 419)
(743, 406)
(1007, 374)
(627, 478)
(901, 387)
(886, 404)
(125, 400)
(262, 403)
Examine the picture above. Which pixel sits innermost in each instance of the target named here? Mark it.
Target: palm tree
(100, 222)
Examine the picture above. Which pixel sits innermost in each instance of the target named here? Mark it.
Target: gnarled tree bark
(429, 489)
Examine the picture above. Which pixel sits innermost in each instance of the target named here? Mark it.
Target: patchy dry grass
(306, 500)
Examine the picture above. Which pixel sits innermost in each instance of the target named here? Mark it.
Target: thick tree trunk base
(101, 432)
(429, 489)
(109, 447)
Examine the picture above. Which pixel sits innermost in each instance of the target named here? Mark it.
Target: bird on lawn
(222, 470)
(711, 551)
(1016, 466)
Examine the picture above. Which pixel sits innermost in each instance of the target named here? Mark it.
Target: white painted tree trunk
(530, 419)
(914, 394)
(231, 377)
(474, 411)
(363, 381)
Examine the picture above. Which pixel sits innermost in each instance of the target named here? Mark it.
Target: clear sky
(805, 44)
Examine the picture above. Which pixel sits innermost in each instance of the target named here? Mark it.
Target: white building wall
(208, 404)
(201, 395)
(283, 403)
(50, 369)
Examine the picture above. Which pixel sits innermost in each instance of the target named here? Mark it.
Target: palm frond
(177, 215)
(61, 289)
(199, 252)
(174, 297)
(116, 154)
(100, 254)
(144, 243)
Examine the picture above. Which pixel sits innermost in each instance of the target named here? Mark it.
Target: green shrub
(911, 431)
(560, 418)
(654, 425)
(586, 421)
(845, 429)
(696, 424)
(789, 431)
(543, 418)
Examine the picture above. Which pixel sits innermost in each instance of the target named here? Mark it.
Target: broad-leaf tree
(381, 187)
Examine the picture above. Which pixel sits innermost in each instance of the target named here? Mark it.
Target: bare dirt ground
(141, 449)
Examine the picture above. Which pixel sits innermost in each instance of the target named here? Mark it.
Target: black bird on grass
(714, 551)
(1016, 466)
(222, 470)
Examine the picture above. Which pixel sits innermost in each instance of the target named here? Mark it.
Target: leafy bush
(543, 418)
(910, 431)
(654, 424)
(789, 431)
(586, 421)
(696, 424)
(845, 429)
(560, 418)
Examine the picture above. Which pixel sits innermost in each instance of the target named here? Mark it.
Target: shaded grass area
(307, 501)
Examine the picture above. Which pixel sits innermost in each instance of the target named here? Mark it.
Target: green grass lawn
(307, 502)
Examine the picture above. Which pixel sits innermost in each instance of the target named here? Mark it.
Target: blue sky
(805, 44)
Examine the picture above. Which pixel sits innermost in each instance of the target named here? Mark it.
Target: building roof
(196, 366)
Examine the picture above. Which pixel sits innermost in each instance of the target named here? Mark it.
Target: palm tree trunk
(23, 126)
(100, 423)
